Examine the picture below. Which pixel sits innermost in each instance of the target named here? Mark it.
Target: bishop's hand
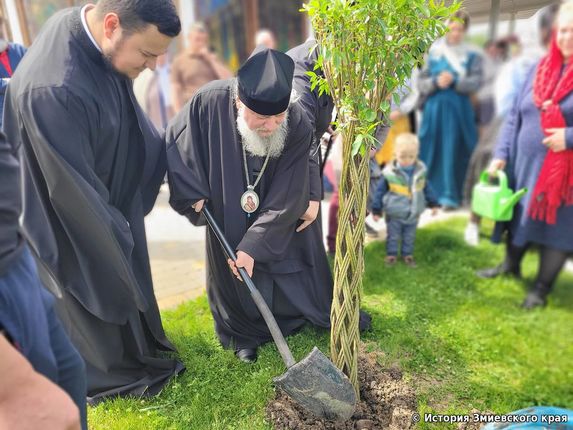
(309, 216)
(198, 206)
(243, 260)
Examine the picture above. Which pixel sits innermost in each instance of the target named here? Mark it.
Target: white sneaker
(471, 234)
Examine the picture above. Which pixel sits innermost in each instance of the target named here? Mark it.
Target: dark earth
(386, 402)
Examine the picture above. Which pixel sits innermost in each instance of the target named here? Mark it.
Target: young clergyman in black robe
(218, 148)
(92, 166)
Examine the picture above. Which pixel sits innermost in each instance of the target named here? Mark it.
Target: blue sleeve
(19, 49)
(512, 123)
(381, 191)
(15, 54)
(3, 86)
(569, 137)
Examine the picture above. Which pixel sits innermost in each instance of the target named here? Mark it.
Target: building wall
(232, 25)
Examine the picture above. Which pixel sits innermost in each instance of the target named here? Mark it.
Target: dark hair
(547, 16)
(464, 17)
(135, 15)
(546, 20)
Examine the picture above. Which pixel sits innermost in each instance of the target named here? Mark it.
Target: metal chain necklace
(250, 199)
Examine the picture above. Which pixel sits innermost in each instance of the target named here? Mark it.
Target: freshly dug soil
(386, 402)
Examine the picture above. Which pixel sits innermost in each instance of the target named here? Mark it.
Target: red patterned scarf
(554, 186)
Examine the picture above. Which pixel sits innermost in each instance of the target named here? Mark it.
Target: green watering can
(495, 201)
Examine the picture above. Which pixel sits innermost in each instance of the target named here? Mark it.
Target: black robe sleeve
(314, 172)
(100, 235)
(287, 199)
(318, 109)
(150, 188)
(187, 158)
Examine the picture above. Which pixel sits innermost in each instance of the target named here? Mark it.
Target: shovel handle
(276, 333)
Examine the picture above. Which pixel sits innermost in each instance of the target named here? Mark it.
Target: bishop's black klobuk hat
(265, 81)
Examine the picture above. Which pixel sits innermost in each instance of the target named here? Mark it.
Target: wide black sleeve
(315, 179)
(150, 190)
(187, 161)
(154, 175)
(287, 199)
(60, 128)
(308, 101)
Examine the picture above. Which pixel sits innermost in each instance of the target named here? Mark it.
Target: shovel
(314, 382)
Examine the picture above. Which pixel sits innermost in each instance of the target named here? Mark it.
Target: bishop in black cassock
(205, 161)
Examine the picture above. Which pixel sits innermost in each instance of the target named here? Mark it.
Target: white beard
(260, 146)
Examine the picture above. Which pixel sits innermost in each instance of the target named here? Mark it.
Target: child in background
(403, 194)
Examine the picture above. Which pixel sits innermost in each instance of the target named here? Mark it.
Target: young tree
(368, 48)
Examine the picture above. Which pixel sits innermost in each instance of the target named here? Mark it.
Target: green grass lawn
(462, 342)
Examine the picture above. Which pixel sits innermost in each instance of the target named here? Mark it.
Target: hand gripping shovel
(314, 382)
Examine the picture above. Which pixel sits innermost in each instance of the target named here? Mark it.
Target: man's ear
(111, 25)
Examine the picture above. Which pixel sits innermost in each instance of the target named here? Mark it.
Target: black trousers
(551, 262)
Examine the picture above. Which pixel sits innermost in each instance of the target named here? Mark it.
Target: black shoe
(494, 272)
(534, 300)
(537, 297)
(246, 355)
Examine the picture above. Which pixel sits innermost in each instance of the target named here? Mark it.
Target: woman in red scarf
(536, 149)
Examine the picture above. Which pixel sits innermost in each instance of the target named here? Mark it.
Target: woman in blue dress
(448, 133)
(536, 150)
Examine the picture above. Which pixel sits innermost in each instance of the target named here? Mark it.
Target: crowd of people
(82, 162)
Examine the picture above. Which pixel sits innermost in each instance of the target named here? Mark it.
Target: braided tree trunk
(349, 260)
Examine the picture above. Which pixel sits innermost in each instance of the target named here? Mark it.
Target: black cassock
(204, 157)
(318, 107)
(92, 166)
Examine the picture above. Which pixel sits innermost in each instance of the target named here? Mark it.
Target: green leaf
(370, 115)
(357, 144)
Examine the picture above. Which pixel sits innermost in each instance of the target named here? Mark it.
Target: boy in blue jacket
(403, 193)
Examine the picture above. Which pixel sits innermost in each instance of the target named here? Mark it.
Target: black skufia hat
(265, 81)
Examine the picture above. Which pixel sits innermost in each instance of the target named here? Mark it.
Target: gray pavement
(177, 254)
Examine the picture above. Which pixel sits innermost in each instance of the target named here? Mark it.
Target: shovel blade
(320, 387)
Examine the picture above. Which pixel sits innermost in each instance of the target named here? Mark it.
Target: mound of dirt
(386, 402)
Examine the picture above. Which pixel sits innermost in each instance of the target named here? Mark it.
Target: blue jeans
(399, 230)
(27, 313)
